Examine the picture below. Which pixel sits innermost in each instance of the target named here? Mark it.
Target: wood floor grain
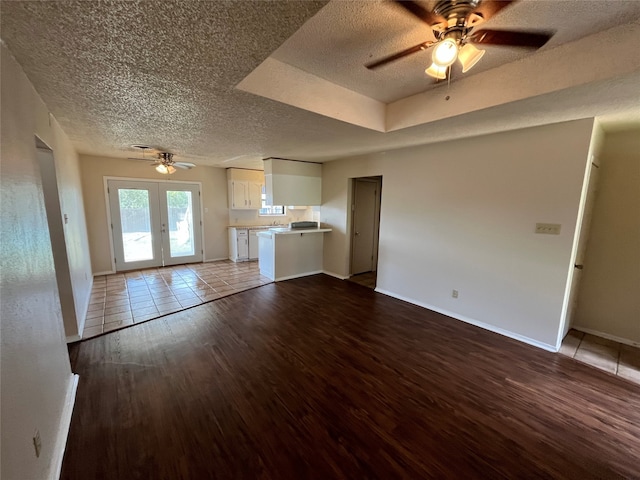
(318, 378)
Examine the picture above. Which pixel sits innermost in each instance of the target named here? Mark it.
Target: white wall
(214, 202)
(37, 383)
(608, 299)
(461, 215)
(75, 232)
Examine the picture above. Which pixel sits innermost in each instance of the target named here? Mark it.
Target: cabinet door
(243, 245)
(233, 244)
(255, 195)
(239, 195)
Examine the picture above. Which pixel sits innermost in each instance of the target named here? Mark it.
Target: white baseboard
(472, 321)
(335, 275)
(608, 336)
(289, 277)
(106, 272)
(215, 259)
(63, 429)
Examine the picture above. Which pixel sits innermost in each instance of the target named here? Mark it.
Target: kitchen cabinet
(290, 182)
(243, 243)
(245, 195)
(245, 188)
(238, 244)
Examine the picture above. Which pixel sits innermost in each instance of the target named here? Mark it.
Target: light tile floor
(367, 279)
(613, 357)
(122, 299)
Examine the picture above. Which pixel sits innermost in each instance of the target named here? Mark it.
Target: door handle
(357, 233)
(579, 267)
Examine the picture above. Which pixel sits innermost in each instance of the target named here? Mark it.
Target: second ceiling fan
(452, 22)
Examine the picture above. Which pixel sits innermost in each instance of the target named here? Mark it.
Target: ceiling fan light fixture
(436, 71)
(162, 168)
(170, 169)
(469, 56)
(445, 52)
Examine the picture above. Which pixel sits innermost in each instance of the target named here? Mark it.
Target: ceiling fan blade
(488, 8)
(426, 16)
(510, 38)
(184, 165)
(399, 55)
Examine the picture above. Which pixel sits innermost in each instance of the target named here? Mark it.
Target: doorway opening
(154, 224)
(56, 221)
(366, 195)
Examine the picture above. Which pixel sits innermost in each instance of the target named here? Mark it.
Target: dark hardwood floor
(318, 378)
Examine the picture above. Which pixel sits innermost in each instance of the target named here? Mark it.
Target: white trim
(306, 274)
(74, 338)
(155, 180)
(335, 275)
(608, 336)
(105, 181)
(112, 251)
(215, 260)
(477, 323)
(63, 429)
(106, 272)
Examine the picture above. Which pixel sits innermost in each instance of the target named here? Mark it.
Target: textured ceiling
(344, 36)
(164, 73)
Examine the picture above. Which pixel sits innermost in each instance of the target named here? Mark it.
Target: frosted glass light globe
(445, 52)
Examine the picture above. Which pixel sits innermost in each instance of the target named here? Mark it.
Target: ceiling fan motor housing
(459, 14)
(166, 158)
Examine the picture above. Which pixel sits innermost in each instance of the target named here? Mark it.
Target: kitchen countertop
(256, 227)
(290, 231)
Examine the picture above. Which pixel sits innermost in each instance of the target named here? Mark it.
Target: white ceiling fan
(165, 163)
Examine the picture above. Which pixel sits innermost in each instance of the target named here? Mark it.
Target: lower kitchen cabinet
(243, 244)
(238, 244)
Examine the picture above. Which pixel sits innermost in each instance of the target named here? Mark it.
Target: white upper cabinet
(289, 182)
(245, 189)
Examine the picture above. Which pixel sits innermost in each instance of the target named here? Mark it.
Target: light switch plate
(548, 228)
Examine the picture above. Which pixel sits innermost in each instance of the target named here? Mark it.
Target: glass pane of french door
(154, 223)
(180, 206)
(135, 220)
(135, 224)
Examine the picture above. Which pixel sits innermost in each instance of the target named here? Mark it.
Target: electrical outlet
(454, 294)
(548, 228)
(37, 443)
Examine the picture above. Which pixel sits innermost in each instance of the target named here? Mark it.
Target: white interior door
(154, 224)
(364, 231)
(583, 237)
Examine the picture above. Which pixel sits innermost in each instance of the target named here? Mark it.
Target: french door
(154, 224)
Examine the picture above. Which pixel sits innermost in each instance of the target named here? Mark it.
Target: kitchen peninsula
(286, 253)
